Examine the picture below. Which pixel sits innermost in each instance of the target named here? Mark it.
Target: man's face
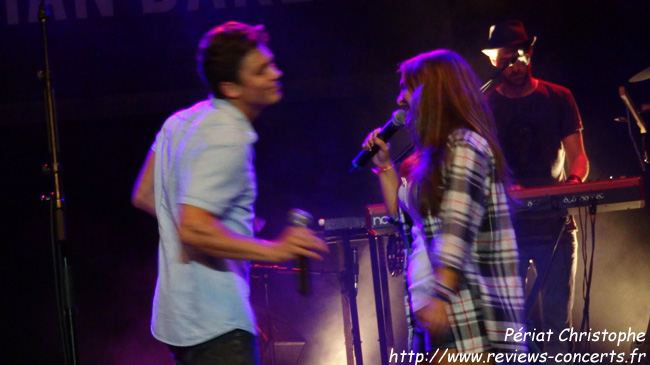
(259, 78)
(516, 74)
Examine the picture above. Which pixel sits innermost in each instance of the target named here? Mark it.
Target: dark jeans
(555, 296)
(237, 347)
(423, 342)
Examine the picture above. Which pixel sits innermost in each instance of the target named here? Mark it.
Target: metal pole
(62, 268)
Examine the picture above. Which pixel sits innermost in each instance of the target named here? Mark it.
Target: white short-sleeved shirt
(204, 158)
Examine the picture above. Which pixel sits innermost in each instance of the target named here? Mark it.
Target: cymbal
(643, 75)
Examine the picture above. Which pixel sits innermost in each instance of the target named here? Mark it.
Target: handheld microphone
(396, 122)
(300, 218)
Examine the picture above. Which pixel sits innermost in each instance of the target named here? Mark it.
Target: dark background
(120, 68)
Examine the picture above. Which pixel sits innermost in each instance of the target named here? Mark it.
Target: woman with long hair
(464, 291)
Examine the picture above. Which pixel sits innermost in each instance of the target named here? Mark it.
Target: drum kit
(641, 76)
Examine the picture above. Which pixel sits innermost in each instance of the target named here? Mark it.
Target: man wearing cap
(540, 131)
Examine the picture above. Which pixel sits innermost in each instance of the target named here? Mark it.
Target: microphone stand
(644, 160)
(489, 83)
(62, 269)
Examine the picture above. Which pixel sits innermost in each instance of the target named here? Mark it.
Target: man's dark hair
(222, 49)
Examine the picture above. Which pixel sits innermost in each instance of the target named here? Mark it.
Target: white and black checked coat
(473, 234)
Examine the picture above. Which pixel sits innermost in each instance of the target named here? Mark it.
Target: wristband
(443, 292)
(378, 170)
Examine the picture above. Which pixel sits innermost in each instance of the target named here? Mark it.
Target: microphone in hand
(300, 218)
(396, 122)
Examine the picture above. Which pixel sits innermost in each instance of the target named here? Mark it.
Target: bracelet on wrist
(443, 292)
(378, 170)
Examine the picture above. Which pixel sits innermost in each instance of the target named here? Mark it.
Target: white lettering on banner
(79, 9)
(242, 3)
(56, 9)
(12, 11)
(105, 8)
(193, 5)
(157, 6)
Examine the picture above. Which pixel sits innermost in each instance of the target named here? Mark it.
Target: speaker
(297, 329)
(288, 353)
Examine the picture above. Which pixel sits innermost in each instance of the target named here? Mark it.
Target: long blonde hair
(446, 96)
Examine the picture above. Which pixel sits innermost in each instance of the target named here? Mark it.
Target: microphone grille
(299, 218)
(399, 117)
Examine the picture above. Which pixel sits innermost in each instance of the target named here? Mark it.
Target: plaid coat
(472, 234)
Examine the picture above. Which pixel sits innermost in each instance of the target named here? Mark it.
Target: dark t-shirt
(531, 130)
